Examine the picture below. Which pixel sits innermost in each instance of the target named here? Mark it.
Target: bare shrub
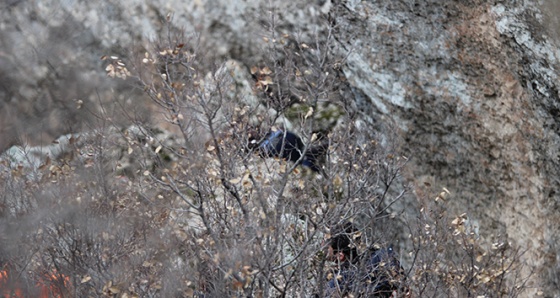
(251, 226)
(452, 259)
(138, 212)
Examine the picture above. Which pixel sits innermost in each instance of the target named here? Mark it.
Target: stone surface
(470, 85)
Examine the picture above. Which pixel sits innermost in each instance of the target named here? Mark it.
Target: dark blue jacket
(377, 275)
(289, 146)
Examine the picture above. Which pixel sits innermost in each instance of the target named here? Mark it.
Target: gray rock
(470, 85)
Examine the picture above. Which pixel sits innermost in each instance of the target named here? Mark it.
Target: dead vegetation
(138, 212)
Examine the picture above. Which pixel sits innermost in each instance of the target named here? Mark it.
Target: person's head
(342, 246)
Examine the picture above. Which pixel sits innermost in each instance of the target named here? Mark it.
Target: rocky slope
(471, 87)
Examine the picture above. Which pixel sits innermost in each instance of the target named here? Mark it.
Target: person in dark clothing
(343, 252)
(376, 273)
(289, 146)
(384, 274)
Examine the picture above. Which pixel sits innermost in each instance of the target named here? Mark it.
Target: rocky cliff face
(473, 90)
(470, 85)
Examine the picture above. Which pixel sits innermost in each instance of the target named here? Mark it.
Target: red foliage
(50, 285)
